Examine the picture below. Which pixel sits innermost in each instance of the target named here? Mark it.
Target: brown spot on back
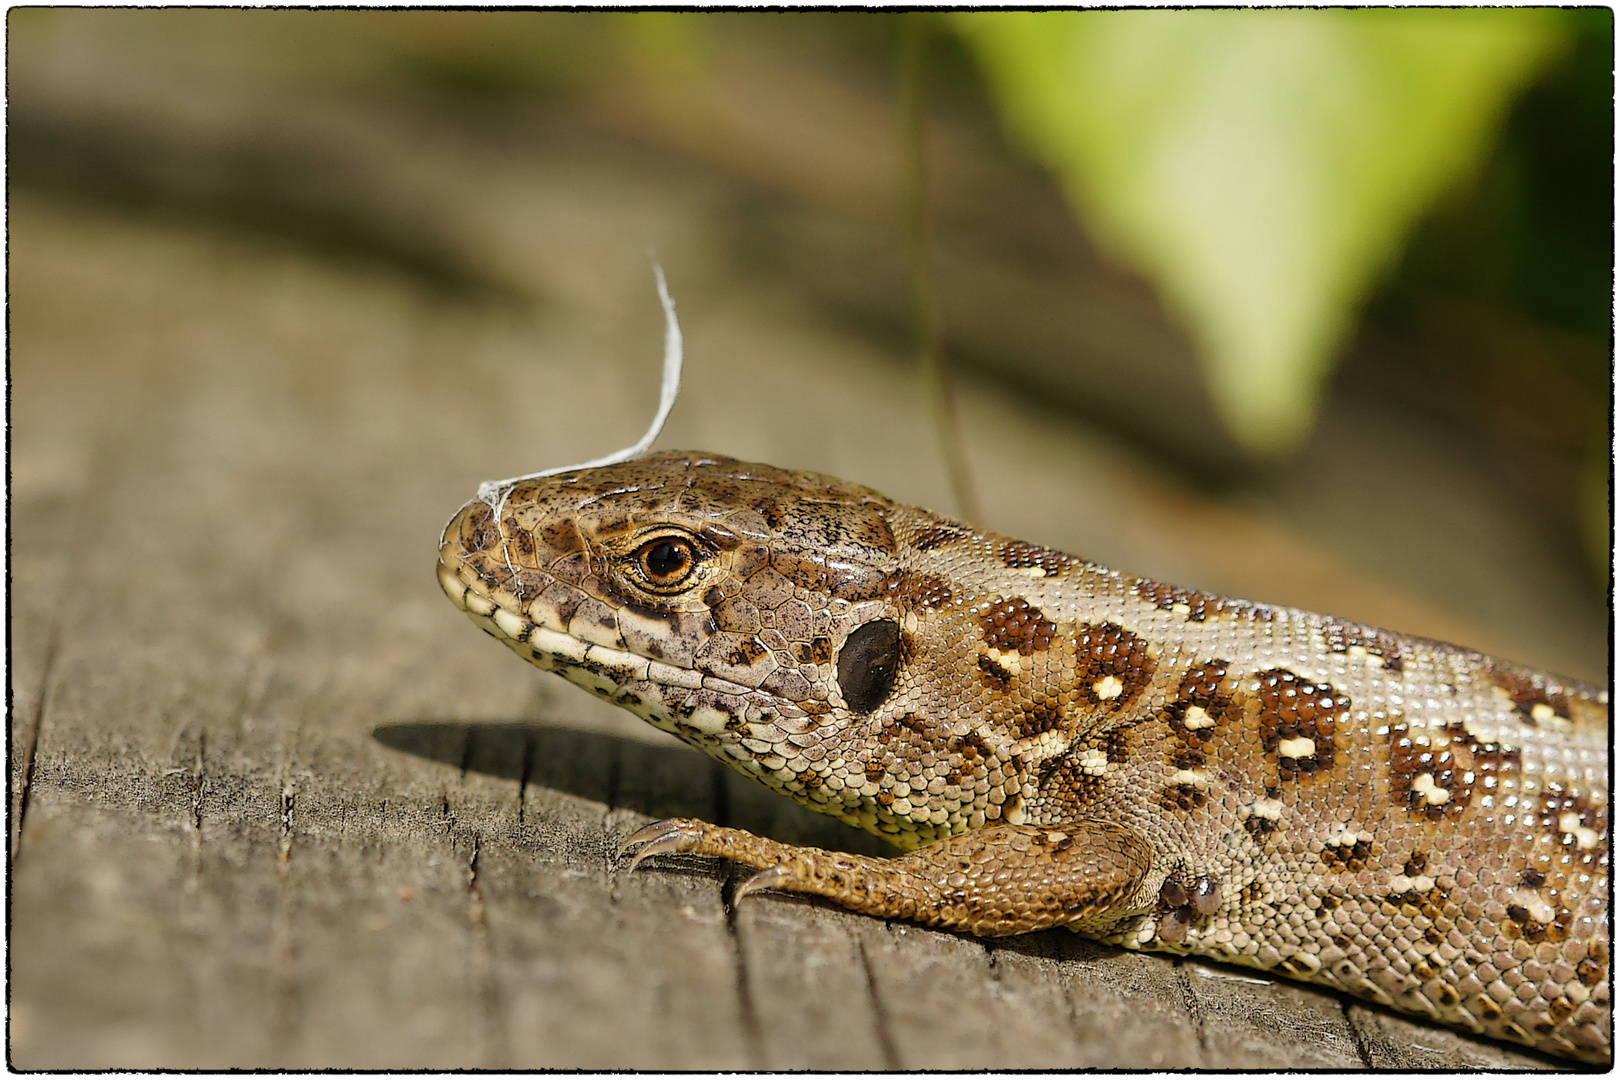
(1019, 555)
(1528, 689)
(969, 745)
(995, 676)
(1116, 745)
(924, 590)
(1341, 635)
(1556, 802)
(1259, 827)
(1488, 758)
(1201, 686)
(1292, 708)
(912, 722)
(1352, 856)
(1182, 797)
(1104, 649)
(1016, 624)
(943, 531)
(1185, 757)
(1036, 720)
(1165, 597)
(1412, 757)
(1415, 864)
(1063, 777)
(1200, 605)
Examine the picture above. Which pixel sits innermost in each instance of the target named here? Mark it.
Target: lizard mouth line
(602, 669)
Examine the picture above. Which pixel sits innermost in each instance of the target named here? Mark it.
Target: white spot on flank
(1432, 793)
(1297, 748)
(1347, 835)
(1187, 776)
(1047, 744)
(1196, 717)
(1030, 571)
(1007, 662)
(1093, 762)
(1270, 809)
(1400, 883)
(1542, 713)
(1180, 609)
(1541, 911)
(1371, 659)
(1570, 822)
(1108, 688)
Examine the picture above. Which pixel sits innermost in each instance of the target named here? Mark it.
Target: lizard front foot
(998, 880)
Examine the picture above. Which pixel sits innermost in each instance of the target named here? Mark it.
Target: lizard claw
(766, 879)
(659, 837)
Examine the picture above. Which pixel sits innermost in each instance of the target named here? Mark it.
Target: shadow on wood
(626, 774)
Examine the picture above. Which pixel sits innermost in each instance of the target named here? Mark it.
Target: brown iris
(667, 561)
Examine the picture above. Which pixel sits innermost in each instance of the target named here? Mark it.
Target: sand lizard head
(761, 615)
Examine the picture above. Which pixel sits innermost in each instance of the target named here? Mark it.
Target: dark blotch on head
(868, 664)
(771, 512)
(478, 532)
(562, 537)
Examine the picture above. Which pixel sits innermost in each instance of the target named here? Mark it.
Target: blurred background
(1351, 270)
(1308, 307)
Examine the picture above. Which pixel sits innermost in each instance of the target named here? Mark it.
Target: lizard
(1050, 742)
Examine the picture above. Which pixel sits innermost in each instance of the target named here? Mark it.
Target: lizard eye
(667, 561)
(868, 664)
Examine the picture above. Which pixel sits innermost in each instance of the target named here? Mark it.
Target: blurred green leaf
(1261, 167)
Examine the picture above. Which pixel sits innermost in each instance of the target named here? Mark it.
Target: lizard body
(1055, 743)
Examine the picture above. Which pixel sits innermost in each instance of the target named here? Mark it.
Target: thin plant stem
(926, 328)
